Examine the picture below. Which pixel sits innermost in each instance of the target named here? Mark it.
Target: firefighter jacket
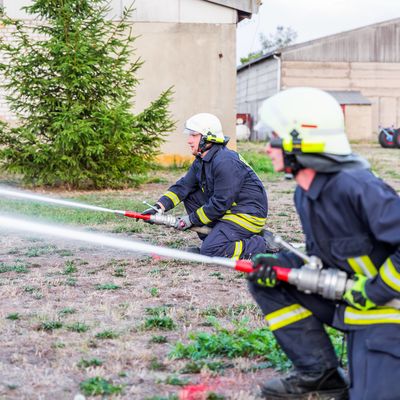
(351, 220)
(233, 191)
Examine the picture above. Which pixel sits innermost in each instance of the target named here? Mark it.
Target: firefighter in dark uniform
(351, 221)
(221, 191)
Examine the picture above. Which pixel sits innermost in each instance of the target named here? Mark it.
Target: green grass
(79, 327)
(13, 316)
(107, 286)
(17, 267)
(158, 319)
(69, 268)
(93, 362)
(50, 325)
(107, 334)
(158, 339)
(241, 341)
(99, 386)
(67, 311)
(260, 162)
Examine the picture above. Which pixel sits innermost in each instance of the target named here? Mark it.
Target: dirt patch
(59, 301)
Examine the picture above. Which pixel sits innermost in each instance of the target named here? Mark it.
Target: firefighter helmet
(306, 120)
(208, 125)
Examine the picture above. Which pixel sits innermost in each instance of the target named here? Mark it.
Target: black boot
(327, 385)
(271, 245)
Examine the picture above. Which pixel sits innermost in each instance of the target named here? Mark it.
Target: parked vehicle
(389, 137)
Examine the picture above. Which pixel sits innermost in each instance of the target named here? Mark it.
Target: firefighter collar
(210, 153)
(317, 185)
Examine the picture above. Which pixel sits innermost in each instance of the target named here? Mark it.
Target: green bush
(72, 93)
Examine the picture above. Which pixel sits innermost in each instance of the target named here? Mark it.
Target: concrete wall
(379, 82)
(199, 61)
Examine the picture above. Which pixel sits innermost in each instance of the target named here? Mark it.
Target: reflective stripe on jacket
(233, 191)
(351, 220)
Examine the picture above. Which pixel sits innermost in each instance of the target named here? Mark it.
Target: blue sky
(312, 19)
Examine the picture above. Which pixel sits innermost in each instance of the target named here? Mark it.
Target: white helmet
(208, 125)
(307, 120)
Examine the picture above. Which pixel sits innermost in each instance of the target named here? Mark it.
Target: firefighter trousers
(297, 321)
(226, 239)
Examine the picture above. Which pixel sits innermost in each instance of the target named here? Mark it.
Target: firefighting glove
(183, 223)
(356, 295)
(156, 209)
(263, 273)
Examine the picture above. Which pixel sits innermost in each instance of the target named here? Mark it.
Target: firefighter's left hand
(356, 295)
(183, 223)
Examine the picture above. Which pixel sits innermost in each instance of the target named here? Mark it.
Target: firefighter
(220, 190)
(351, 221)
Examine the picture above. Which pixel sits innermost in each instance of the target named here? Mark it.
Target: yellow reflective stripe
(390, 275)
(252, 224)
(353, 316)
(238, 250)
(202, 215)
(363, 265)
(286, 316)
(173, 197)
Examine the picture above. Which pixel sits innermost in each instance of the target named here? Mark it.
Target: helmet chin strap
(291, 164)
(203, 146)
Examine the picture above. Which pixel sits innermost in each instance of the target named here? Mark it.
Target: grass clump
(99, 386)
(242, 341)
(67, 311)
(107, 334)
(158, 339)
(50, 325)
(79, 327)
(93, 362)
(18, 268)
(70, 268)
(13, 317)
(158, 319)
(107, 286)
(176, 381)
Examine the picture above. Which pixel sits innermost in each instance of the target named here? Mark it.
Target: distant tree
(72, 91)
(281, 38)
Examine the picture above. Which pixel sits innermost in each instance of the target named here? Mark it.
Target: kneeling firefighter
(220, 190)
(351, 221)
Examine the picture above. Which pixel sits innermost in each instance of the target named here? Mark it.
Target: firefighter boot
(327, 385)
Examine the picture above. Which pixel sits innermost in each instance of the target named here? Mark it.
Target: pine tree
(72, 91)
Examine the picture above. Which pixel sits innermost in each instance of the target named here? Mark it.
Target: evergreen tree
(72, 91)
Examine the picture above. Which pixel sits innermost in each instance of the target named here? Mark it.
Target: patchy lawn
(75, 318)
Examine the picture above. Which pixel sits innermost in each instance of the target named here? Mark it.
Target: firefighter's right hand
(263, 274)
(156, 209)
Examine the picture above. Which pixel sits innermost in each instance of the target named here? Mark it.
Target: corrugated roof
(348, 97)
(302, 45)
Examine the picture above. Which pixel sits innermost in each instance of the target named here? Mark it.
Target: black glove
(263, 273)
(153, 211)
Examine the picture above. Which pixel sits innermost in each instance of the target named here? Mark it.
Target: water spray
(158, 219)
(22, 225)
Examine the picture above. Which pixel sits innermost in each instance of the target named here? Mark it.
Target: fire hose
(310, 278)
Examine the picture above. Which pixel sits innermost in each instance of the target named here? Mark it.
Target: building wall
(358, 121)
(379, 82)
(186, 44)
(255, 84)
(198, 60)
